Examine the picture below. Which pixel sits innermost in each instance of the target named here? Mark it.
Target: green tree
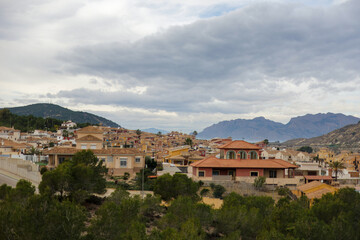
(266, 141)
(150, 163)
(219, 190)
(138, 132)
(188, 141)
(76, 178)
(307, 149)
(337, 166)
(169, 187)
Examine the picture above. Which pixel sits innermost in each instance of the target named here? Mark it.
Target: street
(7, 180)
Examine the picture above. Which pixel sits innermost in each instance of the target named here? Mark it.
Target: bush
(43, 170)
(259, 182)
(126, 176)
(218, 191)
(201, 183)
(169, 187)
(204, 191)
(283, 191)
(212, 186)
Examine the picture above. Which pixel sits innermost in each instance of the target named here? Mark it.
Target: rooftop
(239, 144)
(241, 163)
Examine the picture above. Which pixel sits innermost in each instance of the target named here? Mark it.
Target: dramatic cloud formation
(183, 65)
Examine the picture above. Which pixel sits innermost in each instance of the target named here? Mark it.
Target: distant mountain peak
(260, 128)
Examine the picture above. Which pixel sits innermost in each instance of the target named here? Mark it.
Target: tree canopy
(307, 149)
(76, 178)
(170, 187)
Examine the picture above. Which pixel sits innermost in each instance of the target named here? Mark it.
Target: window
(216, 172)
(83, 146)
(253, 155)
(243, 155)
(272, 174)
(110, 159)
(123, 162)
(201, 174)
(61, 160)
(103, 159)
(137, 159)
(254, 174)
(93, 146)
(230, 155)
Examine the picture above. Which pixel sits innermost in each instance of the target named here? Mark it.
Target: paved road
(8, 180)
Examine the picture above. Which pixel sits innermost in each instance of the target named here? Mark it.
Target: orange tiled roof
(318, 177)
(89, 138)
(318, 193)
(239, 144)
(110, 151)
(307, 186)
(12, 144)
(90, 129)
(248, 163)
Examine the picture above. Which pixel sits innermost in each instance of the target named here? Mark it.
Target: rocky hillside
(257, 129)
(46, 110)
(346, 137)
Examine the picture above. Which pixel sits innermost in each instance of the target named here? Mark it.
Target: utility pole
(142, 183)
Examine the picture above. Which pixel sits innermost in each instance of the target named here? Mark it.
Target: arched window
(243, 155)
(230, 155)
(253, 155)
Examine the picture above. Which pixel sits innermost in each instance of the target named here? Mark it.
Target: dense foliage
(307, 149)
(76, 178)
(26, 215)
(27, 123)
(170, 187)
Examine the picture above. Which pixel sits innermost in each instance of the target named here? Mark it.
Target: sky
(182, 65)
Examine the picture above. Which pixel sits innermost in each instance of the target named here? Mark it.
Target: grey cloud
(277, 40)
(232, 64)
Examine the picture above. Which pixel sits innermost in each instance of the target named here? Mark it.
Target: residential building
(239, 160)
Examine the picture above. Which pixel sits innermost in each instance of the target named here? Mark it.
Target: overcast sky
(182, 65)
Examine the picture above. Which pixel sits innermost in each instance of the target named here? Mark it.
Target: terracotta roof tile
(318, 177)
(110, 151)
(318, 193)
(91, 129)
(248, 163)
(308, 186)
(239, 144)
(89, 138)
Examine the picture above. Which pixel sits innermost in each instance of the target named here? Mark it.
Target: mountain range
(257, 129)
(155, 130)
(347, 137)
(55, 111)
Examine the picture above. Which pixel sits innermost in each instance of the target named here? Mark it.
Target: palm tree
(336, 166)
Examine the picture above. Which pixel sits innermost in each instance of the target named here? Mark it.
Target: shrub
(126, 176)
(259, 182)
(43, 170)
(283, 191)
(219, 191)
(204, 191)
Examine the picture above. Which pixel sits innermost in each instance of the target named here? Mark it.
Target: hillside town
(218, 161)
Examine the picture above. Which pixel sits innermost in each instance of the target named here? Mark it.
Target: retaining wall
(21, 168)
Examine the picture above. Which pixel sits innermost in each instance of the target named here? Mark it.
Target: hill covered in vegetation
(46, 110)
